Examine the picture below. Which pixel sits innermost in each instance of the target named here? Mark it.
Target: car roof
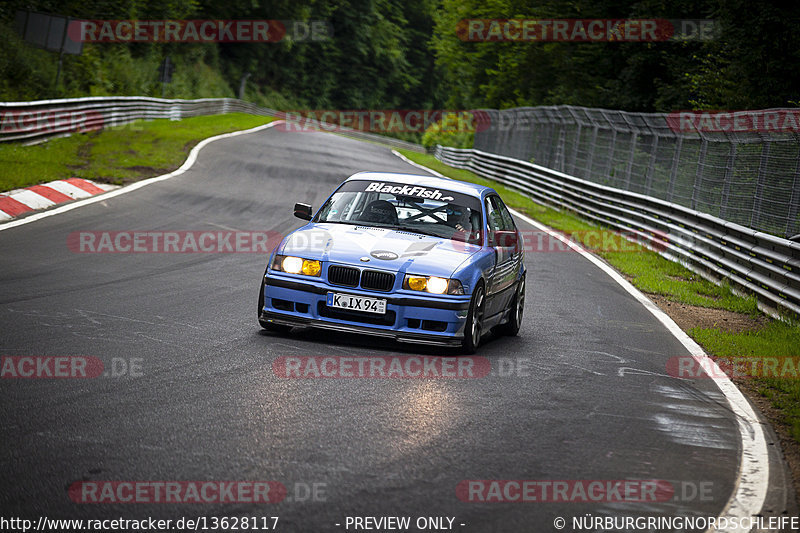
(462, 187)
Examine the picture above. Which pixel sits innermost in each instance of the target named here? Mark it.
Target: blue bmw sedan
(414, 258)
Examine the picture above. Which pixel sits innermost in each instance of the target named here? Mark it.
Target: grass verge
(653, 274)
(118, 155)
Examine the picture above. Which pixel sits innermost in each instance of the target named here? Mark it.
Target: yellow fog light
(417, 283)
(437, 285)
(311, 268)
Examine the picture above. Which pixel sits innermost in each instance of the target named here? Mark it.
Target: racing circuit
(583, 393)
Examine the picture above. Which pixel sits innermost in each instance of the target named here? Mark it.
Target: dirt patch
(690, 316)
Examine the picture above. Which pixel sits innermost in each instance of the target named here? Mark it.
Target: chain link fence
(742, 174)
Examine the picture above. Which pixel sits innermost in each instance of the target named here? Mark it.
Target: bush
(449, 132)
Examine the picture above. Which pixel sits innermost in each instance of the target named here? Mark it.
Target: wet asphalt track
(596, 402)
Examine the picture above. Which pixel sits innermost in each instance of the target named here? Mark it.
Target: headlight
(437, 285)
(292, 265)
(432, 284)
(296, 265)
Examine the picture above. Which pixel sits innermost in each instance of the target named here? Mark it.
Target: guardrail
(762, 264)
(44, 119)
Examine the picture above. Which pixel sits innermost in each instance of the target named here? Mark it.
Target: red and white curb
(20, 201)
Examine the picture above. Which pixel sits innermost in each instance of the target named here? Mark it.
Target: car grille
(377, 280)
(341, 275)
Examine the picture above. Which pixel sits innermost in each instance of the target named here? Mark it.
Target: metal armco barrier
(43, 119)
(766, 265)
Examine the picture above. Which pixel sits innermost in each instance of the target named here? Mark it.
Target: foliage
(439, 133)
(406, 54)
(748, 65)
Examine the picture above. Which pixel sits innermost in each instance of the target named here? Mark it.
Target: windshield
(426, 210)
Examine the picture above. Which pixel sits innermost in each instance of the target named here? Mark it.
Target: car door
(508, 253)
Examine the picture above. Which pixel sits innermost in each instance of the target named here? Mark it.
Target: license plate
(357, 303)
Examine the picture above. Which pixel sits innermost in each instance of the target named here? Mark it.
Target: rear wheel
(269, 326)
(473, 329)
(515, 311)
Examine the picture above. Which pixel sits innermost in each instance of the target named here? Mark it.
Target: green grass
(115, 155)
(655, 274)
(652, 273)
(777, 339)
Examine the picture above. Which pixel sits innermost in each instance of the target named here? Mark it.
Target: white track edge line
(139, 184)
(753, 476)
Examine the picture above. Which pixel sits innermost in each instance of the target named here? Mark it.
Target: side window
(508, 221)
(498, 216)
(493, 217)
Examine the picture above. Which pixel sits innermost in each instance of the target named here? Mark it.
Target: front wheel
(473, 329)
(515, 311)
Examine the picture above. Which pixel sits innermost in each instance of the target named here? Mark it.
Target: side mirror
(302, 211)
(505, 239)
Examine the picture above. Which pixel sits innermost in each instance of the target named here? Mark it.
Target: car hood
(386, 249)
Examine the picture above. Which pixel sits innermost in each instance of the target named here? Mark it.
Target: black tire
(473, 329)
(515, 311)
(269, 326)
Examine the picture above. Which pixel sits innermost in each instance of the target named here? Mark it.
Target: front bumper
(438, 321)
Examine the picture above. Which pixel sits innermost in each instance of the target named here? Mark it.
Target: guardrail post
(590, 159)
(629, 168)
(561, 150)
(727, 179)
(673, 173)
(651, 167)
(698, 177)
(792, 226)
(606, 174)
(576, 146)
(755, 218)
(610, 164)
